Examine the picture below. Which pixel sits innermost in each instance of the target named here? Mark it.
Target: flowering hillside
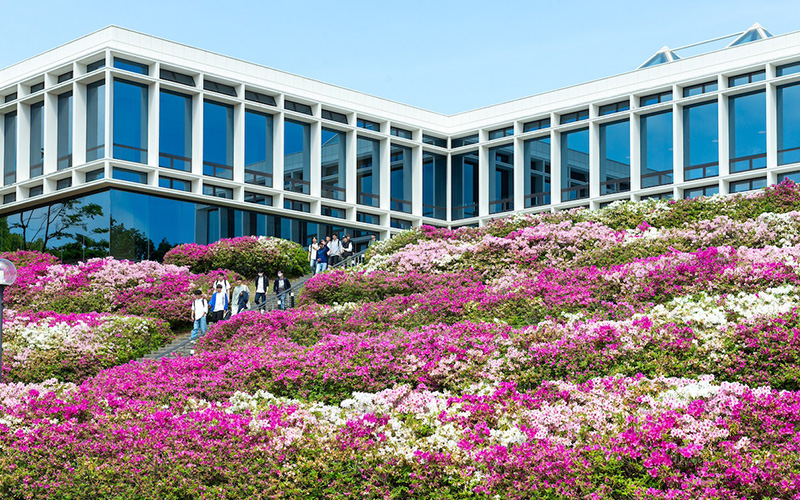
(646, 351)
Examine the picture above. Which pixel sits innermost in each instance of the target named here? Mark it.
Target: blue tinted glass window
(748, 131)
(258, 198)
(755, 76)
(259, 98)
(701, 88)
(125, 174)
(368, 218)
(465, 185)
(788, 69)
(217, 140)
(296, 156)
(434, 185)
(400, 182)
(701, 191)
(37, 139)
(95, 65)
(95, 120)
(334, 116)
(175, 131)
(748, 185)
(367, 124)
(655, 98)
(616, 107)
(368, 178)
(792, 176)
(401, 132)
(575, 165)
(788, 124)
(94, 175)
(434, 141)
(399, 223)
(537, 172)
(258, 137)
(615, 157)
(334, 157)
(130, 121)
(464, 141)
(10, 148)
(64, 138)
(500, 133)
(131, 66)
(177, 184)
(700, 141)
(501, 179)
(536, 125)
(575, 117)
(656, 149)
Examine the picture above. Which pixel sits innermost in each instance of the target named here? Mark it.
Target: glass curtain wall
(368, 173)
(656, 149)
(615, 157)
(788, 124)
(296, 157)
(10, 148)
(334, 157)
(434, 185)
(130, 121)
(64, 133)
(37, 139)
(465, 185)
(700, 141)
(175, 131)
(400, 183)
(218, 140)
(537, 172)
(95, 120)
(575, 165)
(501, 178)
(747, 128)
(258, 137)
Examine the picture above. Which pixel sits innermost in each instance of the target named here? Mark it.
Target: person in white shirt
(312, 254)
(261, 288)
(226, 285)
(334, 250)
(219, 304)
(199, 313)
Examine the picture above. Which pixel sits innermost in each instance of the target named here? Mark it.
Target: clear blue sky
(447, 56)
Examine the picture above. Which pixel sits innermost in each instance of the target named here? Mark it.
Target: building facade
(125, 144)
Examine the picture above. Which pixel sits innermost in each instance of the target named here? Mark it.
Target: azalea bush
(648, 350)
(245, 255)
(108, 285)
(72, 347)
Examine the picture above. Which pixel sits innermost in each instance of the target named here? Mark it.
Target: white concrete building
(128, 144)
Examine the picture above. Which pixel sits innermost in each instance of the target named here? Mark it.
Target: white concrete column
(772, 126)
(636, 153)
(277, 151)
(555, 167)
(238, 143)
(197, 140)
(449, 188)
(351, 160)
(519, 173)
(594, 161)
(416, 180)
(315, 177)
(385, 175)
(23, 142)
(78, 124)
(483, 181)
(108, 134)
(50, 133)
(677, 144)
(153, 107)
(724, 136)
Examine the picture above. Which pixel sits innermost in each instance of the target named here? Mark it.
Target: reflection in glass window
(37, 139)
(755, 76)
(748, 185)
(334, 116)
(787, 69)
(788, 124)
(177, 184)
(537, 172)
(368, 177)
(536, 125)
(434, 185)
(465, 185)
(615, 157)
(130, 121)
(35, 191)
(300, 206)
(368, 218)
(95, 120)
(574, 117)
(63, 183)
(792, 176)
(656, 149)
(367, 124)
(649, 100)
(100, 63)
(94, 175)
(700, 88)
(400, 223)
(10, 148)
(217, 140)
(327, 211)
(334, 149)
(296, 156)
(575, 165)
(220, 88)
(434, 141)
(400, 132)
(747, 128)
(617, 107)
(64, 133)
(218, 191)
(501, 178)
(464, 141)
(700, 141)
(258, 137)
(400, 181)
(296, 106)
(501, 132)
(175, 131)
(701, 191)
(131, 66)
(257, 198)
(125, 174)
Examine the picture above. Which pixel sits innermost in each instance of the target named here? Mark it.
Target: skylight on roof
(664, 55)
(755, 33)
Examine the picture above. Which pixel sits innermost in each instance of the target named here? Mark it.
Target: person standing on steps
(334, 250)
(312, 254)
(372, 240)
(242, 295)
(347, 247)
(281, 286)
(261, 288)
(199, 313)
(226, 285)
(218, 304)
(322, 257)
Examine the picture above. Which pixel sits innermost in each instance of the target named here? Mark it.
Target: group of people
(330, 251)
(224, 302)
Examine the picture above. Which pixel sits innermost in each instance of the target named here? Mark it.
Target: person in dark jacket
(262, 282)
(322, 257)
(281, 286)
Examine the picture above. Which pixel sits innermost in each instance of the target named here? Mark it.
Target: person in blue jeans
(199, 313)
(282, 285)
(322, 257)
